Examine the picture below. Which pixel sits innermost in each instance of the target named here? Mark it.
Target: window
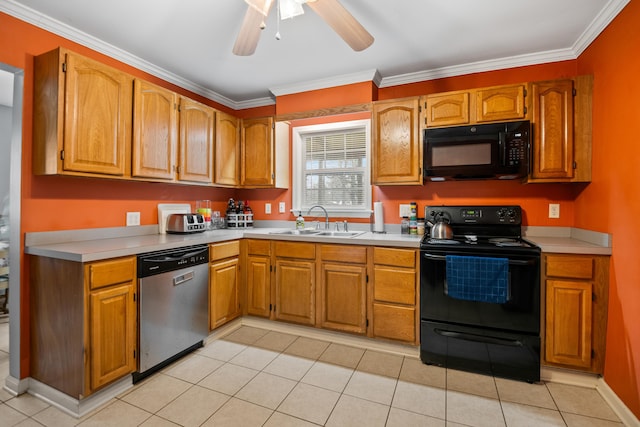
(331, 168)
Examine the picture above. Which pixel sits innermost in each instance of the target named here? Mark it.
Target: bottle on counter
(300, 221)
(248, 214)
(413, 219)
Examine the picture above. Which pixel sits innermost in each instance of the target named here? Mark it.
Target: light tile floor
(258, 377)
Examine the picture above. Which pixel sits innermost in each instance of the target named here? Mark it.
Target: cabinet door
(155, 131)
(500, 103)
(447, 109)
(197, 123)
(97, 120)
(295, 291)
(343, 297)
(227, 155)
(257, 152)
(552, 130)
(258, 282)
(396, 147)
(568, 322)
(224, 299)
(112, 329)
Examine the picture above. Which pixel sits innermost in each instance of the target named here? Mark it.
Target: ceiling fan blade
(342, 23)
(249, 34)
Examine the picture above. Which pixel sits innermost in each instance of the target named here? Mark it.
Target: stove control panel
(479, 215)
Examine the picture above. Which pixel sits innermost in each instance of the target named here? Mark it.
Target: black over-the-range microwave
(489, 151)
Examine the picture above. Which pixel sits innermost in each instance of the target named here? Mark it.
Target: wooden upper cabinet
(447, 109)
(197, 132)
(553, 129)
(396, 145)
(500, 103)
(227, 152)
(82, 116)
(155, 131)
(257, 140)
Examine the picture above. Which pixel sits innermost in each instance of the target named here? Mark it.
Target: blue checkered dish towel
(482, 279)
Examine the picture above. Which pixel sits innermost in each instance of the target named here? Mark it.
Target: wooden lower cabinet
(257, 277)
(295, 282)
(328, 286)
(342, 295)
(394, 295)
(83, 323)
(576, 288)
(224, 283)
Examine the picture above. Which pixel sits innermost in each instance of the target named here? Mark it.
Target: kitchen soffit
(189, 43)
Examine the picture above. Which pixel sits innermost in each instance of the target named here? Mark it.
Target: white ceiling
(189, 42)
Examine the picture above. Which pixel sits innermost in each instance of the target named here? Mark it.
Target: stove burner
(443, 242)
(505, 241)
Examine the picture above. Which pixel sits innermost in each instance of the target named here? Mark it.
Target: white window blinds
(334, 170)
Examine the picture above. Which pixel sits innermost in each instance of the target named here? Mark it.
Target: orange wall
(611, 201)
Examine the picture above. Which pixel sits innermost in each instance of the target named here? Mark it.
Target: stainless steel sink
(319, 233)
(303, 232)
(340, 233)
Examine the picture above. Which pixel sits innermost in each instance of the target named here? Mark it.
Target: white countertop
(99, 244)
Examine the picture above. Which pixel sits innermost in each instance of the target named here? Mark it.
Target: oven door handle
(478, 338)
(511, 261)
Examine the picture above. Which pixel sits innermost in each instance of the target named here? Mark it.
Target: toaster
(180, 223)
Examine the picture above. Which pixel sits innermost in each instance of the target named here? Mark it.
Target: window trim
(298, 133)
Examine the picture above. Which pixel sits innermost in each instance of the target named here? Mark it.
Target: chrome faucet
(326, 215)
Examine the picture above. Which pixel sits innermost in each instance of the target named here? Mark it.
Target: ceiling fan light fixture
(290, 8)
(262, 6)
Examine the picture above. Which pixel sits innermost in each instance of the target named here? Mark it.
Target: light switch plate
(281, 207)
(554, 210)
(267, 208)
(133, 218)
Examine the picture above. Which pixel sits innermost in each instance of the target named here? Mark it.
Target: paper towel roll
(378, 217)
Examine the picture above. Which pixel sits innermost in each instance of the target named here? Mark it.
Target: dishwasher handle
(183, 278)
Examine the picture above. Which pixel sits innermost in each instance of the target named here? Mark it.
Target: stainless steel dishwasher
(173, 306)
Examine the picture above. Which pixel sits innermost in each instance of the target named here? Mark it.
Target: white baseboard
(74, 407)
(15, 386)
(616, 404)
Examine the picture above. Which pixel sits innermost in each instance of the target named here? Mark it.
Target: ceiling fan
(332, 11)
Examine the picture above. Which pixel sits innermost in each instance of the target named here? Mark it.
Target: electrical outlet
(267, 208)
(281, 207)
(133, 218)
(405, 210)
(554, 210)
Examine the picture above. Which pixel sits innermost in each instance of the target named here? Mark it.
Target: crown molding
(599, 23)
(46, 22)
(345, 79)
(479, 67)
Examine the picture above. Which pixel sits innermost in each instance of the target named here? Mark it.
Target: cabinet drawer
(570, 266)
(394, 285)
(224, 250)
(394, 322)
(295, 250)
(341, 253)
(258, 247)
(395, 257)
(111, 272)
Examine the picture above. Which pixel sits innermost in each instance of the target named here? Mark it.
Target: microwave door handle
(502, 147)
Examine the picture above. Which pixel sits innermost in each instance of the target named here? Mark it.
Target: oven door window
(520, 312)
